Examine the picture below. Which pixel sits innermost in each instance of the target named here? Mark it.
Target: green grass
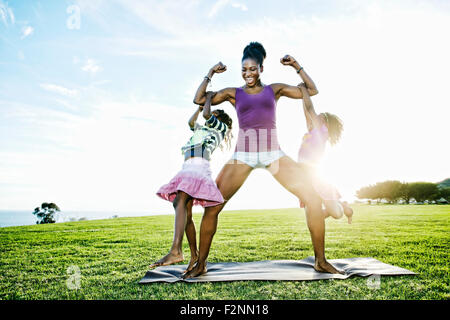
(113, 255)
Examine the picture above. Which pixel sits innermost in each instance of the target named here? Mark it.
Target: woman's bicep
(227, 94)
(285, 90)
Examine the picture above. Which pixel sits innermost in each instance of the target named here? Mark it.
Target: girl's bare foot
(333, 208)
(324, 266)
(198, 270)
(168, 259)
(347, 211)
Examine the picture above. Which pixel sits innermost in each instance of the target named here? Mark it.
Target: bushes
(393, 191)
(46, 213)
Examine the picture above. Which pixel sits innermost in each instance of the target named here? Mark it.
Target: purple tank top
(257, 121)
(313, 145)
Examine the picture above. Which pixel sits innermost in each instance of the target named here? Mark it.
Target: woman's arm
(281, 89)
(227, 94)
(288, 60)
(207, 106)
(194, 117)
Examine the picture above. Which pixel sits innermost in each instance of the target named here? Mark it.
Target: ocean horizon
(14, 218)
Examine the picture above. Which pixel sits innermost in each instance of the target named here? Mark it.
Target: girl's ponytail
(225, 118)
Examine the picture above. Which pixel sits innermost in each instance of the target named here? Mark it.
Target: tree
(372, 192)
(46, 213)
(405, 192)
(394, 190)
(389, 190)
(444, 193)
(363, 193)
(422, 191)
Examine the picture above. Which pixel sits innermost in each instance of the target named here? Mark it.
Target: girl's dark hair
(255, 51)
(335, 127)
(225, 118)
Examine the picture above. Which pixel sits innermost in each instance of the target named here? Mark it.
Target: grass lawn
(113, 255)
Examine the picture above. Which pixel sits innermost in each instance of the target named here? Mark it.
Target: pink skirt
(325, 190)
(195, 180)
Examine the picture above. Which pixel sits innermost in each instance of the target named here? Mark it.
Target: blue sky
(93, 117)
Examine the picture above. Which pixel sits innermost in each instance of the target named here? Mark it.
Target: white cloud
(221, 4)
(216, 7)
(361, 63)
(369, 68)
(27, 31)
(110, 153)
(59, 89)
(6, 13)
(11, 16)
(91, 66)
(3, 16)
(241, 6)
(170, 17)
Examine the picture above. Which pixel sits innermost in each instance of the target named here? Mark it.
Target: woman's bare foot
(347, 211)
(192, 263)
(168, 259)
(198, 270)
(325, 266)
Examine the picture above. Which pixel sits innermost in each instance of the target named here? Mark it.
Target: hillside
(444, 184)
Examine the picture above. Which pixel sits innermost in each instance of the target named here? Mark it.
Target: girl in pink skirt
(321, 128)
(193, 185)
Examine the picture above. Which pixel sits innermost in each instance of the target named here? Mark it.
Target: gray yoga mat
(276, 270)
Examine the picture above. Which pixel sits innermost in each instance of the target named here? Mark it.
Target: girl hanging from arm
(322, 127)
(193, 185)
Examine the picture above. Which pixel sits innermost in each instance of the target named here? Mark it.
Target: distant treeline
(395, 191)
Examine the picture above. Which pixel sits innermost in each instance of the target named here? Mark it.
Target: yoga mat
(276, 270)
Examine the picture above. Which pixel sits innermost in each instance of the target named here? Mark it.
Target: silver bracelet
(208, 78)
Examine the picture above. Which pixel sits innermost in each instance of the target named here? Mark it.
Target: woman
(257, 146)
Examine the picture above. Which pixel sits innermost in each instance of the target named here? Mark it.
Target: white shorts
(258, 159)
